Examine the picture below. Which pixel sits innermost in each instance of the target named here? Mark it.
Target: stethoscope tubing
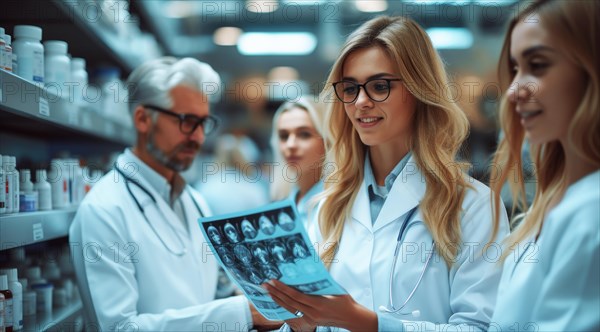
(129, 180)
(405, 226)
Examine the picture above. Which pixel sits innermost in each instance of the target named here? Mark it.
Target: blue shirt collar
(389, 179)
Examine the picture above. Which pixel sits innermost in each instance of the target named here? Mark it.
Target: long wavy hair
(439, 125)
(576, 26)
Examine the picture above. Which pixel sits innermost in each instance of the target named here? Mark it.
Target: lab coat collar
(149, 179)
(407, 191)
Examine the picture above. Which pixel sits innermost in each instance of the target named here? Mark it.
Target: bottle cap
(3, 282)
(11, 274)
(43, 285)
(77, 64)
(23, 282)
(55, 47)
(34, 273)
(28, 31)
(7, 39)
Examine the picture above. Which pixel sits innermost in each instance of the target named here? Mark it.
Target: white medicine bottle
(16, 183)
(2, 186)
(17, 292)
(9, 183)
(44, 190)
(8, 53)
(28, 196)
(2, 47)
(30, 52)
(113, 93)
(79, 77)
(57, 66)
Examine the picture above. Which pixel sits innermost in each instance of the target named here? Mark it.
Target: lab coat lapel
(361, 210)
(191, 211)
(407, 191)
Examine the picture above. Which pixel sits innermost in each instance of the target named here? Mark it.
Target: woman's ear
(142, 120)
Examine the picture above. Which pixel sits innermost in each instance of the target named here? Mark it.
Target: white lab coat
(460, 297)
(554, 284)
(134, 281)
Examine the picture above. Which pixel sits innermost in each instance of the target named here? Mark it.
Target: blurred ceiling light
(305, 2)
(371, 6)
(438, 2)
(462, 2)
(450, 38)
(180, 9)
(283, 74)
(495, 2)
(261, 6)
(227, 36)
(277, 43)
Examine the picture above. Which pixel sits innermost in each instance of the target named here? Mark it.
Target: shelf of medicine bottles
(60, 319)
(32, 110)
(24, 228)
(111, 24)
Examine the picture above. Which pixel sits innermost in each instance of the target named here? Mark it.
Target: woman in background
(549, 68)
(298, 145)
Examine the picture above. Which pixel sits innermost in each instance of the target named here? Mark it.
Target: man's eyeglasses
(377, 89)
(189, 122)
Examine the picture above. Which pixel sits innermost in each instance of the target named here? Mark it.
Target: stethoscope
(128, 181)
(392, 309)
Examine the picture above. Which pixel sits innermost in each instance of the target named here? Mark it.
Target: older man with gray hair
(140, 258)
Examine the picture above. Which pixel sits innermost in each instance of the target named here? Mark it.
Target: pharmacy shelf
(67, 318)
(32, 110)
(21, 229)
(106, 24)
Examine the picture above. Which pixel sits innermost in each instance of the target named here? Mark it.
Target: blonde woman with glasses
(401, 227)
(550, 68)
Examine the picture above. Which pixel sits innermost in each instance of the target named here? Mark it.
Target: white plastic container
(57, 66)
(2, 47)
(113, 98)
(8, 302)
(79, 77)
(17, 291)
(10, 185)
(44, 296)
(34, 275)
(44, 190)
(2, 188)
(2, 328)
(30, 52)
(29, 303)
(59, 181)
(8, 53)
(17, 183)
(28, 197)
(59, 298)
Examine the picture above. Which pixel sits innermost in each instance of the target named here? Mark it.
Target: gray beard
(162, 158)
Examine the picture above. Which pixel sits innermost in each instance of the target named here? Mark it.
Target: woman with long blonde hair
(402, 228)
(549, 68)
(298, 141)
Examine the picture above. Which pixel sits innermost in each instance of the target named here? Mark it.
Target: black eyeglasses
(189, 122)
(377, 89)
